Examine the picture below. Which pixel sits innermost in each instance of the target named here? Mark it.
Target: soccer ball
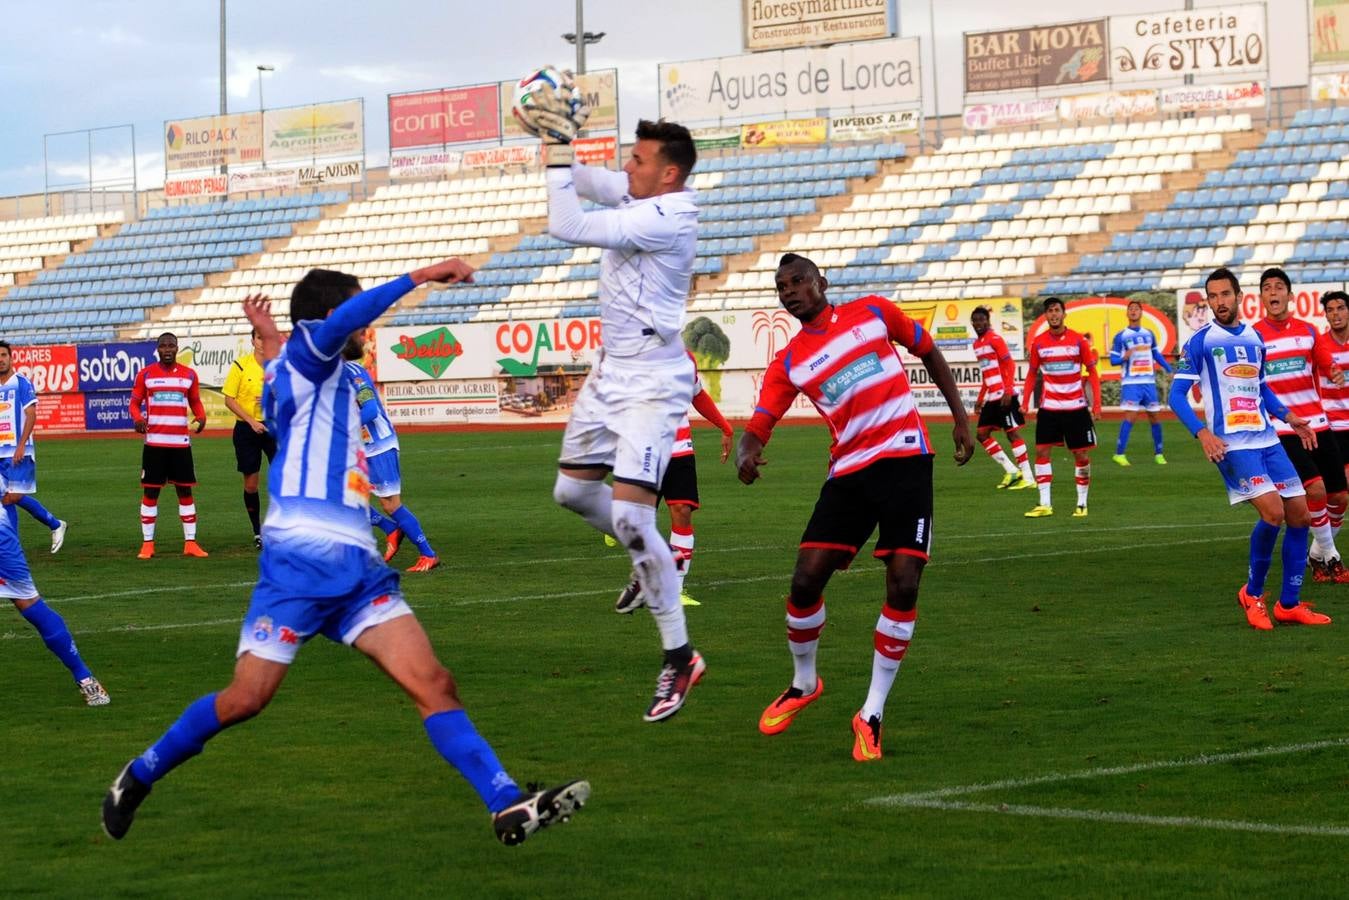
(527, 103)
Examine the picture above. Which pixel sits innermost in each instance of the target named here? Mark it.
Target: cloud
(119, 36)
(374, 75)
(241, 82)
(110, 170)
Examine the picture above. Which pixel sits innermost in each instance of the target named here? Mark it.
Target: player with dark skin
(167, 351)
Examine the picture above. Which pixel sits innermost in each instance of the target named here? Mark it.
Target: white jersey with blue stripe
(1140, 366)
(318, 482)
(1229, 364)
(377, 432)
(17, 401)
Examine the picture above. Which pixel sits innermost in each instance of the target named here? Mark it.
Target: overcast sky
(78, 64)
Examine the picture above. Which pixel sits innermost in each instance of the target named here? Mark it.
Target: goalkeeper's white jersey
(647, 265)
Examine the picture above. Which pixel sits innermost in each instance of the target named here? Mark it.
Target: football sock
(1044, 479)
(184, 740)
(1294, 562)
(412, 530)
(1336, 512)
(1263, 537)
(149, 510)
(681, 543)
(1321, 532)
(592, 499)
(1082, 474)
(1022, 458)
(187, 511)
(28, 503)
(1157, 438)
(253, 504)
(635, 527)
(54, 633)
(455, 739)
(382, 522)
(1125, 429)
(994, 449)
(803, 639)
(894, 630)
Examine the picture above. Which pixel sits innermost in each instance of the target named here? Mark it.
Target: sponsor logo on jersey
(1287, 366)
(287, 636)
(262, 629)
(859, 370)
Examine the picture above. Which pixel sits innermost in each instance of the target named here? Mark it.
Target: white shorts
(626, 416)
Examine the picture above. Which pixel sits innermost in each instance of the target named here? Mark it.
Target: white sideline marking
(935, 799)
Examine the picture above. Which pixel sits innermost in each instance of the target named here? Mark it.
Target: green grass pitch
(1083, 711)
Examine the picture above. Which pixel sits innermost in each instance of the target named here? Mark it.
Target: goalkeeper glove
(557, 116)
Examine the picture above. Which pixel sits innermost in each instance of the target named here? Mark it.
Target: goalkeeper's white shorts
(626, 416)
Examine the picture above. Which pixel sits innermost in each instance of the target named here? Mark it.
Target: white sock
(635, 527)
(682, 547)
(894, 630)
(1044, 477)
(592, 499)
(148, 514)
(188, 513)
(1082, 474)
(803, 640)
(995, 451)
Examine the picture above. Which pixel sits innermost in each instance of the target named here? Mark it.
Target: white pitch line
(1092, 815)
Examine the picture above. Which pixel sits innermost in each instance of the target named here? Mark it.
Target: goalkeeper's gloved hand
(557, 117)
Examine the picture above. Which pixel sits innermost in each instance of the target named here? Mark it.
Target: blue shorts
(386, 479)
(1251, 473)
(20, 479)
(16, 582)
(311, 585)
(1139, 396)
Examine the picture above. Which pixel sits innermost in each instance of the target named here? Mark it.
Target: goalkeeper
(630, 407)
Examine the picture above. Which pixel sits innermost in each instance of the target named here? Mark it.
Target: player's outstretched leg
(393, 538)
(54, 633)
(894, 631)
(412, 530)
(29, 504)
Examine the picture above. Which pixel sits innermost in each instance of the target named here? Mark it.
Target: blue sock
(1125, 427)
(30, 505)
(1157, 437)
(1262, 551)
(382, 522)
(1294, 561)
(413, 530)
(184, 740)
(54, 633)
(455, 738)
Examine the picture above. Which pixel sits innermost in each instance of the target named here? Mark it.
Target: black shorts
(1071, 428)
(995, 415)
(1342, 441)
(894, 493)
(1324, 462)
(680, 484)
(249, 447)
(171, 465)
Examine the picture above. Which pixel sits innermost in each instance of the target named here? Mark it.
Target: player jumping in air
(1227, 358)
(163, 394)
(1134, 350)
(1057, 357)
(320, 573)
(381, 453)
(18, 462)
(626, 415)
(845, 361)
(997, 407)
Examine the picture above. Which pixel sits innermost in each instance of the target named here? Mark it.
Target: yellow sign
(785, 131)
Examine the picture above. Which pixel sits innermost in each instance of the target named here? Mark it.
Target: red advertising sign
(51, 369)
(446, 116)
(60, 412)
(597, 150)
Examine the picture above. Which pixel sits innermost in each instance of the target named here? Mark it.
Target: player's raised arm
(258, 312)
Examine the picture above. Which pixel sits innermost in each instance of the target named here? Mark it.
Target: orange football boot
(783, 710)
(147, 550)
(1302, 614)
(866, 744)
(1256, 614)
(192, 548)
(424, 564)
(392, 543)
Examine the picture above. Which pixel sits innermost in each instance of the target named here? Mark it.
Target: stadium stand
(29, 247)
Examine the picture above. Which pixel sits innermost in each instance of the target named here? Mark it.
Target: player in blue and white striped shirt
(1226, 360)
(18, 462)
(320, 573)
(1135, 351)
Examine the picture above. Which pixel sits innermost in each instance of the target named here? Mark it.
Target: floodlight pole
(580, 37)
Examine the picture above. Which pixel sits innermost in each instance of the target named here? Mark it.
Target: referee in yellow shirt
(243, 397)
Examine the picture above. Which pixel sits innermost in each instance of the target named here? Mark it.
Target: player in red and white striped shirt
(845, 361)
(1058, 356)
(164, 393)
(1294, 358)
(997, 406)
